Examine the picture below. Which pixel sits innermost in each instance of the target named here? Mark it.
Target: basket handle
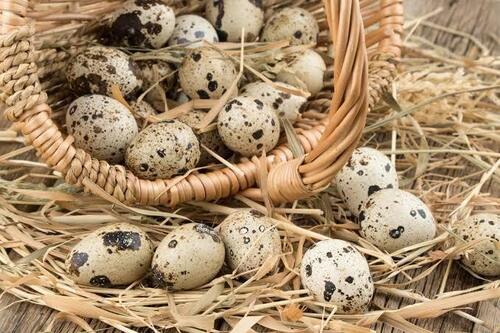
(346, 119)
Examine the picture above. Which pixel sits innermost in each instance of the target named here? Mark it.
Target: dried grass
(441, 115)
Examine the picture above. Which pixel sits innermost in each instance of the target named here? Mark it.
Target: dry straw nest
(423, 110)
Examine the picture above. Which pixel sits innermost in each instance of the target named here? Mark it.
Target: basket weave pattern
(32, 58)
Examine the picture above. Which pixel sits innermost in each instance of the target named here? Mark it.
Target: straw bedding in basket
(37, 41)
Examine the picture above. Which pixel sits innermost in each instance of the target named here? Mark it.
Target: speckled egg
(206, 74)
(116, 254)
(284, 104)
(393, 219)
(250, 238)
(188, 257)
(142, 23)
(161, 74)
(304, 70)
(101, 126)
(366, 172)
(296, 25)
(192, 28)
(162, 150)
(209, 139)
(229, 17)
(335, 272)
(483, 258)
(142, 110)
(96, 69)
(248, 125)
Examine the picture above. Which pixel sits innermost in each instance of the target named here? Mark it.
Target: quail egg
(366, 172)
(141, 111)
(284, 104)
(483, 258)
(188, 257)
(393, 219)
(142, 23)
(206, 74)
(162, 150)
(101, 126)
(248, 125)
(116, 254)
(294, 24)
(335, 272)
(304, 70)
(96, 69)
(250, 238)
(159, 74)
(192, 28)
(230, 17)
(210, 139)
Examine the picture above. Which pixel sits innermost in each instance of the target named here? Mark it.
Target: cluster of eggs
(393, 219)
(188, 257)
(248, 123)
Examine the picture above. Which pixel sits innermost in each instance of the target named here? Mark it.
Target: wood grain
(479, 18)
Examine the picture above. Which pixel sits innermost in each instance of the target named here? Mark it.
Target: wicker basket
(36, 37)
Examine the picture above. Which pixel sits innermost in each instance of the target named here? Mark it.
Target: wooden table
(479, 18)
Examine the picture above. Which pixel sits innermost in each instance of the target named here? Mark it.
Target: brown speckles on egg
(101, 126)
(250, 239)
(122, 240)
(201, 63)
(134, 24)
(484, 257)
(251, 121)
(190, 29)
(196, 258)
(333, 271)
(176, 142)
(229, 17)
(77, 260)
(96, 69)
(98, 259)
(294, 24)
(394, 224)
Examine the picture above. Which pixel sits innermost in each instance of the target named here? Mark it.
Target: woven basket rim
(328, 146)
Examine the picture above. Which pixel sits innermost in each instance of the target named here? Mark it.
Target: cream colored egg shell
(247, 125)
(206, 74)
(141, 111)
(188, 257)
(162, 150)
(151, 72)
(210, 139)
(96, 69)
(366, 172)
(230, 17)
(307, 68)
(336, 273)
(393, 219)
(192, 28)
(117, 254)
(285, 105)
(142, 23)
(483, 258)
(250, 238)
(294, 24)
(101, 126)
